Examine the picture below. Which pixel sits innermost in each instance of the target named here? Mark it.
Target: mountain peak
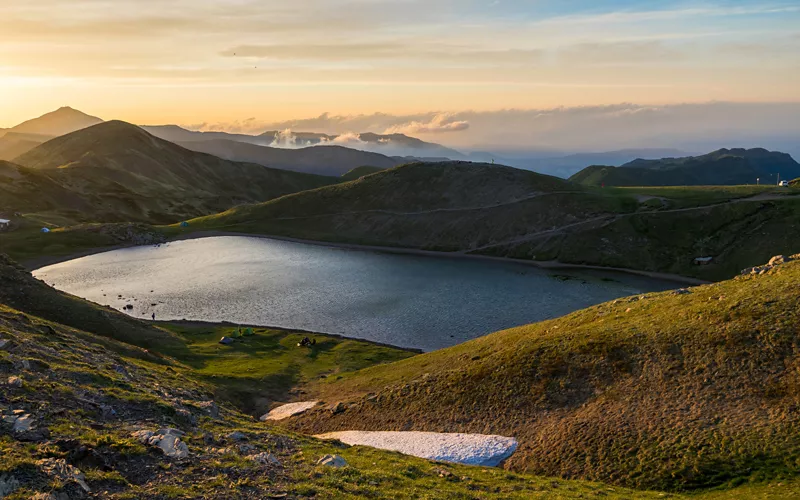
(59, 122)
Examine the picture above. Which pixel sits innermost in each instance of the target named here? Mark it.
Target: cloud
(438, 124)
(385, 51)
(693, 127)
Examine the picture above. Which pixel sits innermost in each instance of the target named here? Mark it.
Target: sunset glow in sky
(189, 61)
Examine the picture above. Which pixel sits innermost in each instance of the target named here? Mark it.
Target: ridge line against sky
(223, 61)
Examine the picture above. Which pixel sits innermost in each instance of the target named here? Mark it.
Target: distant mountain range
(568, 165)
(388, 145)
(29, 134)
(722, 167)
(115, 171)
(322, 160)
(59, 122)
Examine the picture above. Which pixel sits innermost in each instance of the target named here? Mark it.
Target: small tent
(45, 230)
(184, 224)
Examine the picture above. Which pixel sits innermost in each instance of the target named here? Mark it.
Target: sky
(246, 64)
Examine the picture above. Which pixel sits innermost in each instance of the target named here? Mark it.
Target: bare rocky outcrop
(772, 264)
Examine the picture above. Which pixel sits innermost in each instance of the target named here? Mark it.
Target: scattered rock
(51, 496)
(5, 344)
(682, 291)
(442, 472)
(236, 436)
(169, 440)
(338, 408)
(15, 381)
(773, 263)
(777, 260)
(8, 485)
(266, 459)
(246, 449)
(226, 341)
(23, 424)
(60, 469)
(186, 416)
(122, 371)
(210, 407)
(332, 461)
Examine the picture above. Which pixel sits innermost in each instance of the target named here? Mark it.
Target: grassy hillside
(13, 144)
(360, 172)
(500, 211)
(723, 167)
(321, 160)
(85, 395)
(20, 290)
(117, 172)
(726, 396)
(668, 391)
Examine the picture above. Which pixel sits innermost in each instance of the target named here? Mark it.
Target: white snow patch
(289, 410)
(469, 449)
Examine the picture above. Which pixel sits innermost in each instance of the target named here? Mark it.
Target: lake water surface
(406, 300)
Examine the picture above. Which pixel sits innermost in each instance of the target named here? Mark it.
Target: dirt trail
(432, 211)
(608, 219)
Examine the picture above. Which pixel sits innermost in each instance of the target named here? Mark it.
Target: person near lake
(154, 316)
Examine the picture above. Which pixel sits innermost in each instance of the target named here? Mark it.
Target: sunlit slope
(128, 174)
(447, 206)
(667, 391)
(504, 212)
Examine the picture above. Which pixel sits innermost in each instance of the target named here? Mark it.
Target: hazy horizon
(204, 61)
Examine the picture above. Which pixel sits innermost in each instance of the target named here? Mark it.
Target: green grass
(674, 392)
(268, 365)
(730, 334)
(693, 196)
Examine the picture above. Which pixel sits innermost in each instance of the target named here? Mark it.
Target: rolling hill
(78, 393)
(722, 167)
(329, 160)
(13, 144)
(674, 390)
(115, 171)
(504, 212)
(360, 172)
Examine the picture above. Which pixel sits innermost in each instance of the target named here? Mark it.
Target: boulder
(22, 424)
(168, 440)
(338, 408)
(15, 381)
(236, 436)
(61, 470)
(778, 259)
(210, 408)
(8, 485)
(265, 459)
(332, 461)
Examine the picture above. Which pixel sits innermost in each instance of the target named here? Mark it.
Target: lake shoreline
(547, 265)
(228, 324)
(41, 262)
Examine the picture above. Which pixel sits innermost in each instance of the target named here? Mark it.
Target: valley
(176, 297)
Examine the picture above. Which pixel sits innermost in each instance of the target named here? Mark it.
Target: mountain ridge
(131, 175)
(722, 167)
